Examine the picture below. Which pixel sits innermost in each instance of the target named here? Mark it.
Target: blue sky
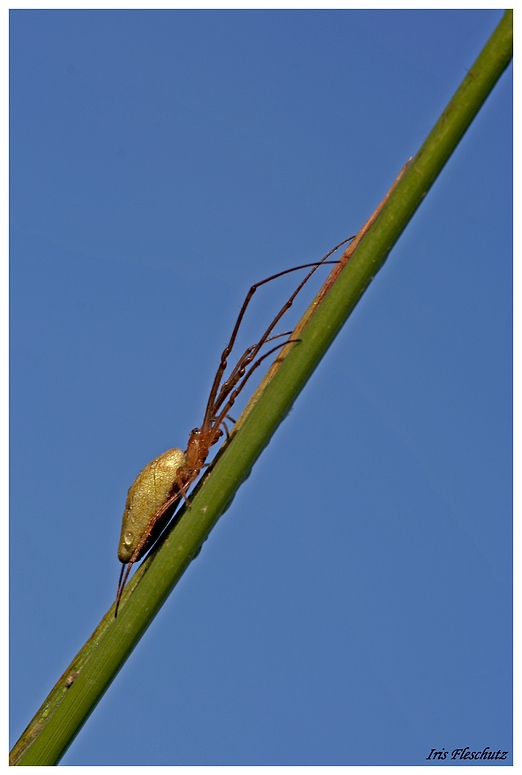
(162, 162)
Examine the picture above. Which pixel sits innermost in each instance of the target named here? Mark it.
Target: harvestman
(153, 496)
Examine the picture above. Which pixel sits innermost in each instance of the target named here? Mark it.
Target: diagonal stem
(83, 684)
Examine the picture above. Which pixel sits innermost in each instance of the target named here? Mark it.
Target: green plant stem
(82, 685)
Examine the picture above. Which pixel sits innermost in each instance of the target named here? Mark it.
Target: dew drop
(127, 538)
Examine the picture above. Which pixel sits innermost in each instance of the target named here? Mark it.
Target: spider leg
(245, 377)
(228, 349)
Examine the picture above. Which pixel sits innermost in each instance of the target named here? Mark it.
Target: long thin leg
(122, 585)
(211, 410)
(245, 377)
(240, 366)
(228, 348)
(119, 580)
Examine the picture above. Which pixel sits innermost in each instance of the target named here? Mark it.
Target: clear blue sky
(353, 605)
